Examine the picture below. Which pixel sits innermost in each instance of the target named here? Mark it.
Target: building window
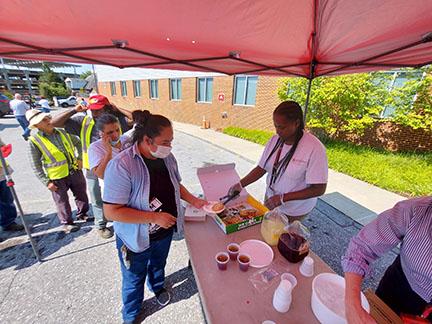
(205, 89)
(113, 88)
(123, 88)
(154, 92)
(137, 88)
(175, 89)
(245, 90)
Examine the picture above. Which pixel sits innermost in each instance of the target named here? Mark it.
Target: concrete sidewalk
(355, 198)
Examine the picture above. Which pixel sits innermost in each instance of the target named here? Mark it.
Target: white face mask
(161, 152)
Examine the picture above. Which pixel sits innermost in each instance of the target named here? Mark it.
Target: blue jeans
(8, 211)
(22, 120)
(96, 202)
(151, 264)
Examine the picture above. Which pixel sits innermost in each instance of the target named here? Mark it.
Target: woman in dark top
(142, 196)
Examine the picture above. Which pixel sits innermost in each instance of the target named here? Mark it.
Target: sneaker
(69, 228)
(105, 233)
(85, 218)
(14, 227)
(163, 297)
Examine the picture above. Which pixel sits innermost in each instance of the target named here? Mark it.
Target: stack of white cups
(307, 267)
(283, 294)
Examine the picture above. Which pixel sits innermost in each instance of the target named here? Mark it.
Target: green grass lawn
(408, 174)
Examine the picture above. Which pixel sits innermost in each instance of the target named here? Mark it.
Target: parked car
(69, 101)
(4, 105)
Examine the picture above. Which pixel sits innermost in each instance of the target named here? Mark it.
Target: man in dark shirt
(77, 122)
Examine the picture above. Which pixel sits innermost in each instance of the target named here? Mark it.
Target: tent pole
(10, 184)
(307, 99)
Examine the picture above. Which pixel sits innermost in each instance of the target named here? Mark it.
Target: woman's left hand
(273, 202)
(198, 203)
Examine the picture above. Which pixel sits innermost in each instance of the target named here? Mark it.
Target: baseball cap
(97, 102)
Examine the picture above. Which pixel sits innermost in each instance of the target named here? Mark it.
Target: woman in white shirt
(295, 162)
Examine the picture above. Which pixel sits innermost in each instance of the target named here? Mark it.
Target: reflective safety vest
(55, 162)
(85, 136)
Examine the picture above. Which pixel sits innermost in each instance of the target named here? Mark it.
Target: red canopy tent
(308, 38)
(279, 37)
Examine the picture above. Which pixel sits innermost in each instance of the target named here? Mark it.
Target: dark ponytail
(148, 125)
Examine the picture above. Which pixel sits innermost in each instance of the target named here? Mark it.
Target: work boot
(69, 228)
(85, 218)
(14, 227)
(105, 232)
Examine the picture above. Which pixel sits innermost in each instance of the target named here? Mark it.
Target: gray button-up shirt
(127, 182)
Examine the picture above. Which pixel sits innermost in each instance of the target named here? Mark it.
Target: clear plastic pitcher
(294, 242)
(273, 225)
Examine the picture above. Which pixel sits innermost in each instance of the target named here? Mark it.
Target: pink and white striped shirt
(409, 223)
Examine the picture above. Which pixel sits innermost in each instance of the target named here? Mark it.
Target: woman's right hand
(357, 315)
(164, 220)
(235, 189)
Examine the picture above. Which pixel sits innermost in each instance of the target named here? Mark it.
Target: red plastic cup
(222, 259)
(244, 261)
(233, 250)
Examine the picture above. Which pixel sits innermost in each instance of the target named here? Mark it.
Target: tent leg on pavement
(10, 184)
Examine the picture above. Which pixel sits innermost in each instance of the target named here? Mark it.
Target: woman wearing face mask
(295, 162)
(142, 196)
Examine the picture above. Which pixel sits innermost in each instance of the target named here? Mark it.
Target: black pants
(396, 292)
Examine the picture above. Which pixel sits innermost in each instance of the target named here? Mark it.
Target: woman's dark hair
(138, 116)
(105, 119)
(291, 111)
(148, 125)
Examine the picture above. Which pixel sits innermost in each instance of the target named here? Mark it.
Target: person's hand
(80, 164)
(115, 108)
(52, 187)
(106, 140)
(80, 108)
(164, 220)
(274, 201)
(235, 189)
(357, 315)
(199, 203)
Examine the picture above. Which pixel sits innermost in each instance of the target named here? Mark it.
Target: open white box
(215, 181)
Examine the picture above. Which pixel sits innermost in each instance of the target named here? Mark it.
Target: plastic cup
(307, 267)
(222, 259)
(244, 261)
(290, 277)
(233, 250)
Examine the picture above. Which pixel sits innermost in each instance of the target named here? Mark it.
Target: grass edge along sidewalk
(408, 174)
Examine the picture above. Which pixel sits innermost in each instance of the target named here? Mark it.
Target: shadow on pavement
(3, 127)
(181, 284)
(16, 251)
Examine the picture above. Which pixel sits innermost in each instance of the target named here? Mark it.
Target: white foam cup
(307, 267)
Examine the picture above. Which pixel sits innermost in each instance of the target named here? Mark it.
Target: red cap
(97, 102)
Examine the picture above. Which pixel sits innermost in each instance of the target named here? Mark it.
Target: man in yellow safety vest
(76, 121)
(55, 156)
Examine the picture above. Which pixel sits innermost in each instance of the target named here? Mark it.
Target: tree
(50, 84)
(413, 102)
(339, 104)
(85, 74)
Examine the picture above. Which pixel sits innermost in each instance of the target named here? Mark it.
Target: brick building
(243, 101)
